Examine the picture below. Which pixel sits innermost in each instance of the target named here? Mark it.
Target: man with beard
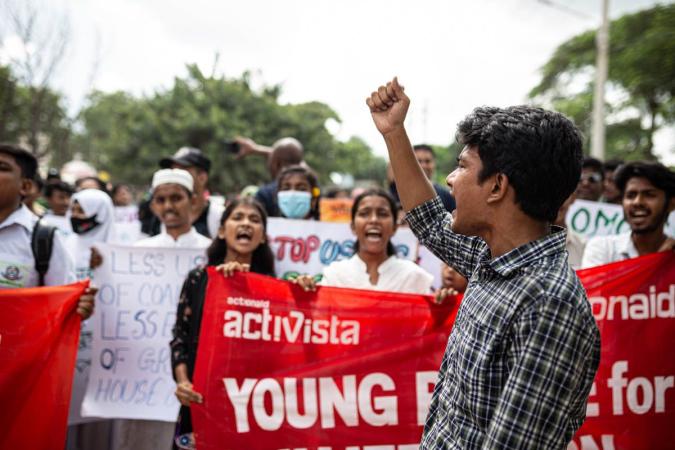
(648, 196)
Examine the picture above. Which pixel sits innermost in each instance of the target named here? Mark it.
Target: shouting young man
(522, 355)
(648, 197)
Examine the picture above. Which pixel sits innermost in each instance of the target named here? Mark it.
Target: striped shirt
(522, 355)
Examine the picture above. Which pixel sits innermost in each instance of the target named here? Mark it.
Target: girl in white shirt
(374, 264)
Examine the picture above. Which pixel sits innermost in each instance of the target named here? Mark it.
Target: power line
(568, 10)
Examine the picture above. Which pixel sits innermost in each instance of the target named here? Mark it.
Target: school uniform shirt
(191, 239)
(608, 249)
(395, 275)
(62, 223)
(17, 264)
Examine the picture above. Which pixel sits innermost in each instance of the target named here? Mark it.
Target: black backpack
(42, 243)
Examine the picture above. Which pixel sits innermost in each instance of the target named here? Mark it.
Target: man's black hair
(539, 151)
(24, 159)
(611, 164)
(591, 163)
(425, 147)
(61, 186)
(659, 175)
(117, 187)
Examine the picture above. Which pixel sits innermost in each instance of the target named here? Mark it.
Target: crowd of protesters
(180, 213)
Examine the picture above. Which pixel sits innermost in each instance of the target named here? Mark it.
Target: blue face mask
(294, 204)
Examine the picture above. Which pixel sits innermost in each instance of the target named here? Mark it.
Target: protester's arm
(181, 341)
(182, 328)
(250, 147)
(388, 107)
(554, 352)
(184, 389)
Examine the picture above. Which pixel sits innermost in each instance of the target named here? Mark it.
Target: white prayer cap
(173, 176)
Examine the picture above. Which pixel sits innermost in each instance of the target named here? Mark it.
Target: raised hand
(246, 147)
(388, 106)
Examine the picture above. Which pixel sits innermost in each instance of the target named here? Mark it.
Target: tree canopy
(34, 116)
(641, 80)
(128, 136)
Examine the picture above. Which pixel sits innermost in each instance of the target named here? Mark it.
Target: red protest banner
(280, 371)
(632, 404)
(39, 330)
(282, 368)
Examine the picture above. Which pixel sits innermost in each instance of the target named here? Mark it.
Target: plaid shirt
(522, 355)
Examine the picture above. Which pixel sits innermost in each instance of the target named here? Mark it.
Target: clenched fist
(388, 106)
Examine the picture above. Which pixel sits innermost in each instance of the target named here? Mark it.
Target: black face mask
(83, 225)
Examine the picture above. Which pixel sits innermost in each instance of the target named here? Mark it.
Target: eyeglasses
(591, 178)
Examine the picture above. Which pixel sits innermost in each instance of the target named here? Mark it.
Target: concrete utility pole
(601, 66)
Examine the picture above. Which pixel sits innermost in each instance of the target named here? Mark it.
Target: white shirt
(575, 244)
(17, 265)
(216, 210)
(126, 214)
(607, 249)
(60, 222)
(191, 239)
(395, 275)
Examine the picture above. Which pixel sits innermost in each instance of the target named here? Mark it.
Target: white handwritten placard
(601, 219)
(135, 312)
(306, 246)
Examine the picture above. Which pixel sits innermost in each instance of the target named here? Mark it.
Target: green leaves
(128, 136)
(641, 80)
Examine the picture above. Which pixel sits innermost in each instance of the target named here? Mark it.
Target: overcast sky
(451, 55)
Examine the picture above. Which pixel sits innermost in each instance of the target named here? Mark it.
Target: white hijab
(94, 203)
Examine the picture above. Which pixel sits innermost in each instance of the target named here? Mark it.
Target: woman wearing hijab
(91, 217)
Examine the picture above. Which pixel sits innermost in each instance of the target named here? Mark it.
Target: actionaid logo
(292, 328)
(637, 306)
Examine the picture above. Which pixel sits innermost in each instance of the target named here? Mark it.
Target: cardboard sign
(136, 303)
(307, 246)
